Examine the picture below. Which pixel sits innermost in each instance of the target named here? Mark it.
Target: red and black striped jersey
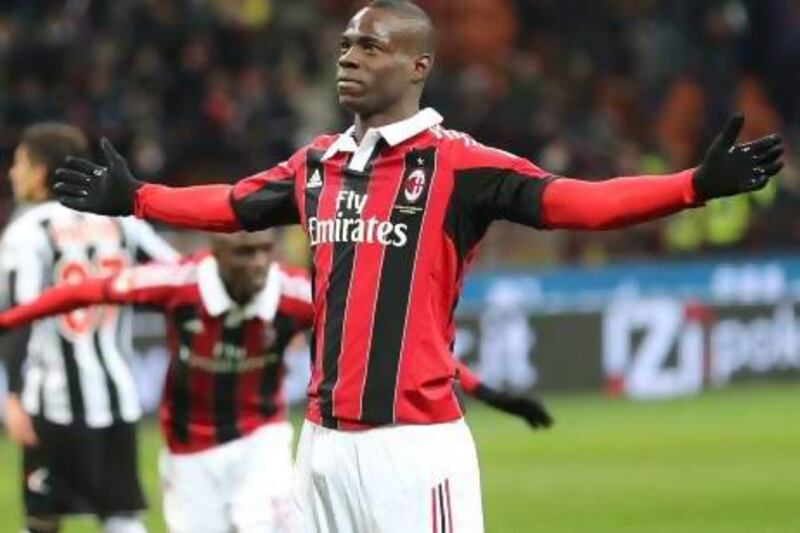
(225, 377)
(393, 223)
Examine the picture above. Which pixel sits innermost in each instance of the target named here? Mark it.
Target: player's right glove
(730, 168)
(87, 186)
(529, 409)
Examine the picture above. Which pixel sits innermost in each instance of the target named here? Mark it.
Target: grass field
(727, 461)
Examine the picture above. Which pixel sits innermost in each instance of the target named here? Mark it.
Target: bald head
(418, 23)
(385, 57)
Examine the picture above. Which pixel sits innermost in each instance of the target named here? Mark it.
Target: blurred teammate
(230, 316)
(72, 401)
(394, 209)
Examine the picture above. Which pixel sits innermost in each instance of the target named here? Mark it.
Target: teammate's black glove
(529, 409)
(87, 186)
(729, 168)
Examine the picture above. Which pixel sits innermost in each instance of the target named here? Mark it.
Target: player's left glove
(105, 190)
(730, 168)
(529, 409)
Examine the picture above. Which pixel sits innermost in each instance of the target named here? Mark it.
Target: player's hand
(18, 423)
(730, 168)
(529, 409)
(87, 186)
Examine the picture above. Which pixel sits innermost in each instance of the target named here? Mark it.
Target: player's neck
(38, 197)
(397, 113)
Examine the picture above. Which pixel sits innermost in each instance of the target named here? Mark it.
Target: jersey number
(71, 272)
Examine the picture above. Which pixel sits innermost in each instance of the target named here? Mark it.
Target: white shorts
(243, 485)
(396, 479)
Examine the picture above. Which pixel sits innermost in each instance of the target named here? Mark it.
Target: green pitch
(727, 461)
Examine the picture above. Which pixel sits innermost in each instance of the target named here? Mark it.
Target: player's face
(377, 64)
(244, 260)
(27, 177)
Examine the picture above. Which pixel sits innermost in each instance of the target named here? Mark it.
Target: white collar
(393, 134)
(217, 301)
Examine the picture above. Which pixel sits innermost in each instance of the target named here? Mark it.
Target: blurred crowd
(208, 90)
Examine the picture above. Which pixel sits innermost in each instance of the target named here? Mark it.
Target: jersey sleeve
(53, 301)
(295, 300)
(468, 380)
(25, 260)
(153, 285)
(148, 246)
(490, 184)
(202, 207)
(260, 201)
(15, 344)
(617, 202)
(16, 348)
(267, 199)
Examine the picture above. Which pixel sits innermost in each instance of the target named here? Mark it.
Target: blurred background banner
(733, 279)
(644, 330)
(640, 329)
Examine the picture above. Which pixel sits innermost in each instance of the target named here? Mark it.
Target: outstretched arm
(54, 301)
(202, 207)
(491, 185)
(152, 284)
(726, 170)
(257, 202)
(603, 205)
(529, 409)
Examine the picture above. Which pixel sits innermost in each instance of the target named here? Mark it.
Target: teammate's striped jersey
(225, 377)
(75, 368)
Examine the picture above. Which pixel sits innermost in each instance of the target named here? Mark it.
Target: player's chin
(354, 103)
(255, 287)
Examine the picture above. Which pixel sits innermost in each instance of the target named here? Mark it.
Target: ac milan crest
(414, 185)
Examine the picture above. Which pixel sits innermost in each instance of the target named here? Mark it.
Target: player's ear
(422, 67)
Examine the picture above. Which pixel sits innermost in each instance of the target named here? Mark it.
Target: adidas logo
(315, 181)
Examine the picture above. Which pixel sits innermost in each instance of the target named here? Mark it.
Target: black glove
(729, 168)
(87, 186)
(529, 409)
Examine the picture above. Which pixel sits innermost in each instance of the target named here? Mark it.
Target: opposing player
(229, 315)
(394, 209)
(72, 403)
